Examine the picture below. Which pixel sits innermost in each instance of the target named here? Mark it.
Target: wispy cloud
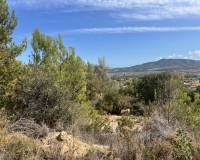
(117, 30)
(178, 56)
(128, 9)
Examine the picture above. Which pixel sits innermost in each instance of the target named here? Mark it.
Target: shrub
(54, 152)
(97, 155)
(184, 146)
(3, 119)
(21, 148)
(125, 147)
(29, 128)
(3, 124)
(123, 123)
(100, 125)
(149, 154)
(158, 150)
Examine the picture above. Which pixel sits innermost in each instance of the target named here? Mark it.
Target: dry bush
(155, 128)
(197, 154)
(43, 131)
(3, 119)
(125, 146)
(125, 149)
(155, 139)
(160, 150)
(3, 142)
(21, 147)
(97, 155)
(3, 134)
(162, 141)
(122, 147)
(29, 128)
(54, 152)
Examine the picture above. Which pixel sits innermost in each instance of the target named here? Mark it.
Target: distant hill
(169, 65)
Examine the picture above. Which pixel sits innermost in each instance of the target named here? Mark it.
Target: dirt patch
(72, 145)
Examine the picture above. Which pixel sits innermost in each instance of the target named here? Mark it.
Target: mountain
(169, 65)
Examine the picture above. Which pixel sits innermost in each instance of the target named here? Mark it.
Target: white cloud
(177, 56)
(122, 30)
(190, 55)
(195, 54)
(129, 9)
(133, 30)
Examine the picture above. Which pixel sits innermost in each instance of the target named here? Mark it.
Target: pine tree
(9, 67)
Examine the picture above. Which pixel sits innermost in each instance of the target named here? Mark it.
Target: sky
(125, 32)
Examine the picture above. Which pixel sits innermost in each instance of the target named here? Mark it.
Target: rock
(125, 111)
(60, 138)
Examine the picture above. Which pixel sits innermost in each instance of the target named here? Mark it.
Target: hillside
(170, 65)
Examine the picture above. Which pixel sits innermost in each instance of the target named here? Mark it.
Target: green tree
(8, 23)
(9, 67)
(157, 87)
(97, 81)
(75, 70)
(45, 50)
(53, 83)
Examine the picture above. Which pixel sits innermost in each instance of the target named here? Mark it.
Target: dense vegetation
(58, 91)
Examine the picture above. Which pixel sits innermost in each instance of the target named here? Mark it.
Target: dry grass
(153, 140)
(20, 147)
(29, 128)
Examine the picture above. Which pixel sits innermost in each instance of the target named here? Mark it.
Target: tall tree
(9, 67)
(8, 22)
(97, 80)
(45, 49)
(75, 76)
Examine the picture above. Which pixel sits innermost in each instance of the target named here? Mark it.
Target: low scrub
(29, 128)
(21, 147)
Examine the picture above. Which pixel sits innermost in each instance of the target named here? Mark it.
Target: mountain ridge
(169, 65)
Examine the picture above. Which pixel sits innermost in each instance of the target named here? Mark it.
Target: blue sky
(125, 32)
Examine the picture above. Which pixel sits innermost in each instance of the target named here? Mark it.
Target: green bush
(184, 147)
(149, 154)
(123, 123)
(113, 102)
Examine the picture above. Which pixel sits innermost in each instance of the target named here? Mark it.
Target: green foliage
(113, 102)
(8, 23)
(100, 125)
(155, 87)
(97, 81)
(52, 84)
(70, 69)
(10, 77)
(149, 154)
(184, 146)
(9, 67)
(152, 90)
(123, 123)
(74, 72)
(187, 110)
(94, 86)
(91, 119)
(47, 50)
